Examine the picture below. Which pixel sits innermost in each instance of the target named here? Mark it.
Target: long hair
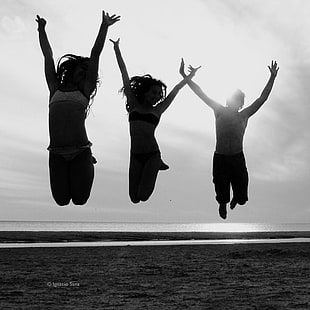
(66, 66)
(140, 85)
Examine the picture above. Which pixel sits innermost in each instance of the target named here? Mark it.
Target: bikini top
(146, 117)
(75, 96)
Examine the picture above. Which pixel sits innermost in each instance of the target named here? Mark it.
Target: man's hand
(192, 71)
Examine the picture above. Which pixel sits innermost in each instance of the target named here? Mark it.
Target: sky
(233, 40)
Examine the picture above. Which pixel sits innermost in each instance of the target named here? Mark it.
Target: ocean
(150, 227)
(69, 234)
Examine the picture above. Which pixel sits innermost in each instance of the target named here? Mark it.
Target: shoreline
(75, 237)
(217, 242)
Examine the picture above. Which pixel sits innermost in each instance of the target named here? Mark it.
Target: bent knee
(134, 199)
(62, 202)
(61, 197)
(79, 201)
(144, 197)
(242, 202)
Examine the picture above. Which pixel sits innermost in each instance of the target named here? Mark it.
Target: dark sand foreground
(237, 276)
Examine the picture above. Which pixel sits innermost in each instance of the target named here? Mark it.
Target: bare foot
(163, 166)
(223, 211)
(233, 204)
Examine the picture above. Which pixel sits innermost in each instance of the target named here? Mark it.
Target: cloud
(12, 25)
(23, 181)
(279, 155)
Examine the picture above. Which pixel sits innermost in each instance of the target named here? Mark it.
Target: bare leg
(148, 177)
(81, 177)
(163, 166)
(135, 172)
(59, 179)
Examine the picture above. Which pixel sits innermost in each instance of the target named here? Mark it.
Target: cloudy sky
(233, 40)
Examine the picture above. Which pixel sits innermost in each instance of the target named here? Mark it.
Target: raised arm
(197, 90)
(92, 71)
(125, 77)
(162, 107)
(49, 65)
(254, 107)
(121, 64)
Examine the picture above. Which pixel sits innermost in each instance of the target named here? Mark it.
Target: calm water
(151, 227)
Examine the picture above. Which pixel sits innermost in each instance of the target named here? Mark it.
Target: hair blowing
(65, 69)
(139, 85)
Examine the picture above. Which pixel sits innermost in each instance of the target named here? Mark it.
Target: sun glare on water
(230, 227)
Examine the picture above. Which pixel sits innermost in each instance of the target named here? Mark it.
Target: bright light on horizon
(228, 227)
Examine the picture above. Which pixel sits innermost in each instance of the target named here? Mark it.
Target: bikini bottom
(69, 153)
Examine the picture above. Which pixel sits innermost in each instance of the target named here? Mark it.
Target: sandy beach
(237, 276)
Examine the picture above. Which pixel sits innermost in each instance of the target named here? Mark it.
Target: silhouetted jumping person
(146, 102)
(229, 167)
(72, 85)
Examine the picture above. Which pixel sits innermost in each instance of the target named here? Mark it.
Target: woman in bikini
(146, 102)
(72, 85)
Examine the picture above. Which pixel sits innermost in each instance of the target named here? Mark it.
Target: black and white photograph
(155, 154)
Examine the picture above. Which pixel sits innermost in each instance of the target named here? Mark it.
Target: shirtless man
(229, 167)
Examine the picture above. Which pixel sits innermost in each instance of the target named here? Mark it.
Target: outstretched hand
(192, 71)
(115, 43)
(109, 20)
(181, 70)
(41, 22)
(273, 68)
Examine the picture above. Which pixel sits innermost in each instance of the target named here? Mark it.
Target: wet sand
(236, 276)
